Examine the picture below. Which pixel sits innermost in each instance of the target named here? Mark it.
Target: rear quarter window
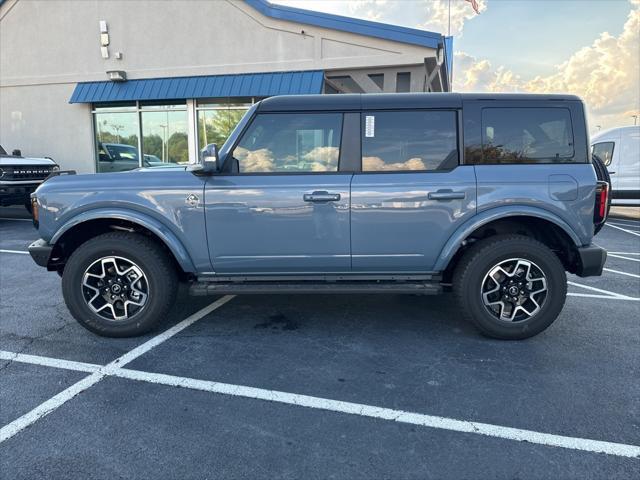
(527, 135)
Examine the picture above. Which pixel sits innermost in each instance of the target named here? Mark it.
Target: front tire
(119, 284)
(511, 287)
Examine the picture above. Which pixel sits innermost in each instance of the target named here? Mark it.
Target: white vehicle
(619, 149)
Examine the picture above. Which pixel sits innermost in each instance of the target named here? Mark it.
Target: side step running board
(220, 288)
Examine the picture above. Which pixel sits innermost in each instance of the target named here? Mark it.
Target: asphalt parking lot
(318, 386)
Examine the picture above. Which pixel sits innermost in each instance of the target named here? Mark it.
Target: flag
(474, 4)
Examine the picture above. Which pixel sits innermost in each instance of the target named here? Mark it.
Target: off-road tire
(481, 258)
(154, 261)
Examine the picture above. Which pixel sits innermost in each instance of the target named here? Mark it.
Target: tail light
(602, 202)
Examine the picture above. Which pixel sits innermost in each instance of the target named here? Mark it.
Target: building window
(165, 138)
(290, 143)
(123, 130)
(117, 135)
(217, 119)
(409, 141)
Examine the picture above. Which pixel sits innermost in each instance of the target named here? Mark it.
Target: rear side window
(527, 135)
(290, 143)
(409, 141)
(604, 151)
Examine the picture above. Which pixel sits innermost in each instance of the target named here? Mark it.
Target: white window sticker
(369, 126)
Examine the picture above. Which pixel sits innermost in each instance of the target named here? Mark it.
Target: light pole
(635, 119)
(164, 141)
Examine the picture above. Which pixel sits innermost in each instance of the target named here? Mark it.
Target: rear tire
(475, 286)
(129, 267)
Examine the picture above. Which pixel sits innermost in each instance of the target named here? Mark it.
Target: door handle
(612, 173)
(446, 195)
(321, 197)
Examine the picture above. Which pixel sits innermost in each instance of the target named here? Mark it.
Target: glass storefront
(144, 134)
(216, 120)
(165, 138)
(123, 129)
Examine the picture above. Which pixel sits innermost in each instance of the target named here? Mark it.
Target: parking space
(321, 386)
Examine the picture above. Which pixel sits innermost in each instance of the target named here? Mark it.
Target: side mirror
(208, 160)
(16, 153)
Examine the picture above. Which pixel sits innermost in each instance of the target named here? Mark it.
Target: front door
(283, 208)
(411, 194)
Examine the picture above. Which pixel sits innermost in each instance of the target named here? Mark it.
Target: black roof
(393, 100)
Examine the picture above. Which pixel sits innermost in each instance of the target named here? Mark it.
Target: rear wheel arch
(77, 232)
(556, 236)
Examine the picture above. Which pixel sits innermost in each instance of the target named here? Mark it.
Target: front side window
(290, 143)
(526, 135)
(604, 151)
(406, 141)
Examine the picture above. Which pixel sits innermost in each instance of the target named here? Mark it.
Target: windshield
(122, 152)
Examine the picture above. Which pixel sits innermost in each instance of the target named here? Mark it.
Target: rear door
(411, 193)
(284, 207)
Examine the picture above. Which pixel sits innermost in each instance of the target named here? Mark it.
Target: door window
(409, 141)
(604, 151)
(526, 135)
(290, 143)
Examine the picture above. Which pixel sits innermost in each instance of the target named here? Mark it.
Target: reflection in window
(526, 135)
(216, 121)
(164, 137)
(290, 143)
(116, 139)
(415, 140)
(604, 151)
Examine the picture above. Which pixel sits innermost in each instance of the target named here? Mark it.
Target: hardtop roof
(394, 100)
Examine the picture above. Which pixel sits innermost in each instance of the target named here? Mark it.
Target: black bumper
(40, 251)
(591, 261)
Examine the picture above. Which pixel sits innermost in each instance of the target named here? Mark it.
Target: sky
(589, 48)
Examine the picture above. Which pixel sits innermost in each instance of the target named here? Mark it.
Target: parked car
(492, 196)
(619, 149)
(119, 157)
(20, 176)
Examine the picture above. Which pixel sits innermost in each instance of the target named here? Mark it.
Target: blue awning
(213, 86)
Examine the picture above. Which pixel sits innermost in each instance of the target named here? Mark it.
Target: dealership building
(105, 85)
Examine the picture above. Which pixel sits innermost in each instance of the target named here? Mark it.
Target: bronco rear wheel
(510, 286)
(119, 284)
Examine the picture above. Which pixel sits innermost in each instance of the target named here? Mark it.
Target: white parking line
(17, 219)
(623, 253)
(319, 403)
(14, 251)
(623, 229)
(621, 221)
(61, 398)
(621, 273)
(607, 293)
(624, 258)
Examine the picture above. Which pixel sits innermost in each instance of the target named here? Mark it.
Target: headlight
(55, 168)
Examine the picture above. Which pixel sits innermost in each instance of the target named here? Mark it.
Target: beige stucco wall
(47, 46)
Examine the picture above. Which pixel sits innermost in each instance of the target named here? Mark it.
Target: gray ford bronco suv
(494, 197)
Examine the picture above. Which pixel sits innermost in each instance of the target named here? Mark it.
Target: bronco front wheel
(510, 286)
(119, 284)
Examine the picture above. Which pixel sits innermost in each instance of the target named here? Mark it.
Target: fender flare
(158, 228)
(455, 240)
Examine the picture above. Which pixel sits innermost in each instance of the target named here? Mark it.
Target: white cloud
(429, 15)
(606, 74)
